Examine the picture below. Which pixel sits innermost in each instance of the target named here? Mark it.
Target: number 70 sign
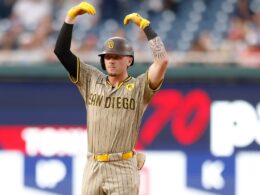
(188, 115)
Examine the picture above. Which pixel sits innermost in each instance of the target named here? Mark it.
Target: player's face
(116, 65)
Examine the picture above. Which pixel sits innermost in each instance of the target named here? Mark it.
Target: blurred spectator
(203, 43)
(30, 25)
(6, 7)
(120, 9)
(89, 44)
(34, 18)
(155, 7)
(236, 35)
(119, 33)
(242, 9)
(250, 57)
(237, 30)
(253, 35)
(170, 5)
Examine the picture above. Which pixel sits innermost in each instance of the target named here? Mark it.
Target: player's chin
(112, 74)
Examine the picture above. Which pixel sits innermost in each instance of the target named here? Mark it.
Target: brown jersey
(113, 114)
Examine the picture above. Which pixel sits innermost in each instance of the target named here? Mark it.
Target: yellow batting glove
(137, 19)
(80, 9)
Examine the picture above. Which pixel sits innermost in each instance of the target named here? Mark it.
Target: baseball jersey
(113, 114)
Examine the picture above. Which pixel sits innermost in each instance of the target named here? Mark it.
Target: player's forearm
(159, 53)
(62, 49)
(159, 66)
(157, 47)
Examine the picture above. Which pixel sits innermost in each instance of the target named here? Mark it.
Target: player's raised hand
(137, 19)
(80, 9)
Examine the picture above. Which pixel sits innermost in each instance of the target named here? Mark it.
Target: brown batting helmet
(116, 45)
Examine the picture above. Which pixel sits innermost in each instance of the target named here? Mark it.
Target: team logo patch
(110, 44)
(130, 86)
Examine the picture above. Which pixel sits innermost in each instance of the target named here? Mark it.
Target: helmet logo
(110, 44)
(130, 86)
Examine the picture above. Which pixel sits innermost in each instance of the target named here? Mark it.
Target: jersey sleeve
(148, 91)
(85, 75)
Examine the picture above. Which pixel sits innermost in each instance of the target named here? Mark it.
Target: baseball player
(115, 104)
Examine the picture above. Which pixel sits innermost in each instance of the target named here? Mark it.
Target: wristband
(149, 32)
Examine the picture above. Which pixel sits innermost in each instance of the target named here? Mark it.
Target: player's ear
(130, 60)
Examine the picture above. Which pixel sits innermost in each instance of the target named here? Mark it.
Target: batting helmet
(116, 45)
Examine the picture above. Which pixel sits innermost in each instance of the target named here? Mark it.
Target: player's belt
(113, 156)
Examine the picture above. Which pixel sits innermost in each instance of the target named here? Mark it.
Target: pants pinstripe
(111, 178)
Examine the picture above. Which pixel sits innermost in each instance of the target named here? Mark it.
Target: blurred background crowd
(213, 31)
